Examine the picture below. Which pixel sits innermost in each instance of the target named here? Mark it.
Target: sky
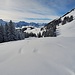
(41, 11)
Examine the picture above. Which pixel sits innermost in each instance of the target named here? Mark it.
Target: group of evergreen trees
(9, 33)
(50, 29)
(67, 19)
(27, 35)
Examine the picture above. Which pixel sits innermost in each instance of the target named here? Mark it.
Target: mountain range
(23, 23)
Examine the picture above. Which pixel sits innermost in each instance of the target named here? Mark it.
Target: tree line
(9, 33)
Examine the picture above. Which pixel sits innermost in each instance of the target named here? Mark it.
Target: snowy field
(47, 56)
(43, 56)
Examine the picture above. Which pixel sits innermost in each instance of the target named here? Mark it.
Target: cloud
(22, 9)
(60, 7)
(32, 10)
(37, 18)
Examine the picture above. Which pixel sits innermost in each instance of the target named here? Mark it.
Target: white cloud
(21, 9)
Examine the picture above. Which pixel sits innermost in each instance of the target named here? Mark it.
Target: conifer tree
(12, 32)
(1, 33)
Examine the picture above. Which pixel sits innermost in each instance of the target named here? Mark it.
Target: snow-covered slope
(35, 30)
(46, 56)
(67, 30)
(30, 29)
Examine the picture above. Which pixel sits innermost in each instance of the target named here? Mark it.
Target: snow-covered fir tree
(12, 32)
(1, 33)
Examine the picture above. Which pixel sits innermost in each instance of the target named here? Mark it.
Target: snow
(67, 30)
(40, 56)
(71, 13)
(35, 30)
(45, 56)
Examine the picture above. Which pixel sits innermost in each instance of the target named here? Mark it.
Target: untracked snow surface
(43, 56)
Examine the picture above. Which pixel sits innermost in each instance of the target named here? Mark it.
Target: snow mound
(35, 30)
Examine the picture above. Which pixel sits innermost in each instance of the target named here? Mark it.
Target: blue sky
(34, 10)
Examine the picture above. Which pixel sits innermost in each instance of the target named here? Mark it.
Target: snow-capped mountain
(23, 23)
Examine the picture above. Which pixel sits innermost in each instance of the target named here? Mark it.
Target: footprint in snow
(21, 50)
(35, 51)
